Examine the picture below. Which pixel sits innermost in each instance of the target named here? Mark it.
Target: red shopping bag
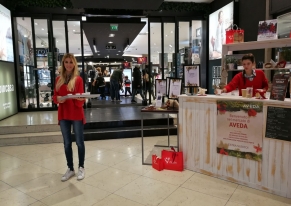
(157, 163)
(234, 35)
(173, 160)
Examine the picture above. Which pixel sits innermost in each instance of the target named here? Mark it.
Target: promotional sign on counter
(161, 87)
(279, 87)
(239, 129)
(175, 88)
(191, 76)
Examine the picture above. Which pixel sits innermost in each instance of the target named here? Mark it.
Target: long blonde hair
(75, 73)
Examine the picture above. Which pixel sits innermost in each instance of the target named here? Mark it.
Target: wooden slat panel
(188, 136)
(214, 145)
(253, 170)
(265, 162)
(247, 170)
(277, 183)
(272, 164)
(196, 135)
(201, 135)
(207, 138)
(284, 164)
(180, 128)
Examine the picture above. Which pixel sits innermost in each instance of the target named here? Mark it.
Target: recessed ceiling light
(154, 43)
(117, 54)
(84, 18)
(111, 35)
(98, 54)
(74, 30)
(35, 23)
(170, 45)
(65, 8)
(171, 32)
(57, 41)
(110, 42)
(42, 28)
(119, 51)
(166, 35)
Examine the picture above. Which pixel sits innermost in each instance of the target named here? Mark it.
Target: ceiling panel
(101, 31)
(118, 4)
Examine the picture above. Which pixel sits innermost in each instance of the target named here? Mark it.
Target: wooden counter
(198, 133)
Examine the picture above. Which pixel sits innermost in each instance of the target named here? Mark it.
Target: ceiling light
(117, 54)
(119, 51)
(166, 35)
(111, 35)
(110, 42)
(95, 48)
(74, 30)
(171, 32)
(65, 8)
(98, 54)
(84, 18)
(170, 45)
(57, 41)
(25, 35)
(154, 43)
(35, 23)
(42, 28)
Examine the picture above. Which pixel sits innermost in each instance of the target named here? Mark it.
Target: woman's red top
(239, 81)
(71, 109)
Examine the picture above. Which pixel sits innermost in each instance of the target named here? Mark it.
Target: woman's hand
(60, 100)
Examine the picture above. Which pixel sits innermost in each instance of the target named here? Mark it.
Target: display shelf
(265, 69)
(275, 43)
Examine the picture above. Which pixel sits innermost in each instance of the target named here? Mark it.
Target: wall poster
(175, 88)
(161, 87)
(240, 129)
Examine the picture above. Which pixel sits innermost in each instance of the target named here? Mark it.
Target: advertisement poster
(267, 30)
(239, 129)
(219, 22)
(6, 43)
(8, 100)
(279, 86)
(191, 76)
(161, 87)
(175, 86)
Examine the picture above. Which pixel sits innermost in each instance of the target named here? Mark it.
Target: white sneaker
(68, 175)
(81, 173)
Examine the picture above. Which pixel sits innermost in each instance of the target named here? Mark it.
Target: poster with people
(161, 87)
(6, 42)
(239, 129)
(219, 22)
(175, 86)
(191, 76)
(267, 30)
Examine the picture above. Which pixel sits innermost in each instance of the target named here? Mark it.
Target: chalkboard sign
(278, 125)
(279, 87)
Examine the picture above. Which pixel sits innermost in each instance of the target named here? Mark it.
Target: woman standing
(70, 113)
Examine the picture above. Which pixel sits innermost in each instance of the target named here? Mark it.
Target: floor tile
(106, 144)
(16, 150)
(4, 186)
(252, 197)
(55, 163)
(38, 203)
(91, 168)
(13, 197)
(172, 177)
(111, 179)
(128, 149)
(4, 155)
(76, 195)
(23, 174)
(109, 158)
(35, 156)
(211, 186)
(11, 163)
(134, 165)
(185, 197)
(229, 203)
(44, 186)
(114, 200)
(146, 191)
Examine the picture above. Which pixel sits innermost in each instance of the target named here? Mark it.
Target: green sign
(8, 100)
(114, 27)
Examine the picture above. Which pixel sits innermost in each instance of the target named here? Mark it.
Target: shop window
(74, 36)
(156, 49)
(183, 57)
(169, 49)
(196, 42)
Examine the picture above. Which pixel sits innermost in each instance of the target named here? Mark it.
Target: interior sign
(114, 27)
(110, 47)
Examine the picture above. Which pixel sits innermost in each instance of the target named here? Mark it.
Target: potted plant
(230, 63)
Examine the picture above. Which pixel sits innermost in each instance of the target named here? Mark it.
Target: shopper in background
(100, 85)
(127, 84)
(136, 84)
(146, 83)
(70, 113)
(115, 81)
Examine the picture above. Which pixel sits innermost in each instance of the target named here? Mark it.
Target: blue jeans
(66, 132)
(114, 86)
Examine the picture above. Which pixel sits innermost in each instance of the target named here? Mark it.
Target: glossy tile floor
(30, 175)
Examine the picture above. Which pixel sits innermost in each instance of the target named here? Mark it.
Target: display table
(160, 111)
(198, 133)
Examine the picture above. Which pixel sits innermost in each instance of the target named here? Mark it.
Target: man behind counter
(250, 77)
